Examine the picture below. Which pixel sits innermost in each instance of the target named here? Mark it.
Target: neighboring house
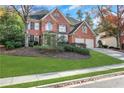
(55, 23)
(110, 40)
(122, 39)
(107, 39)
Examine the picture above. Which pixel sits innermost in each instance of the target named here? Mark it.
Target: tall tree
(79, 14)
(88, 19)
(112, 21)
(24, 11)
(11, 30)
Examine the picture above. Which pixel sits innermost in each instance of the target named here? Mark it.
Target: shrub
(9, 44)
(111, 47)
(31, 43)
(71, 48)
(18, 44)
(35, 42)
(60, 48)
(105, 46)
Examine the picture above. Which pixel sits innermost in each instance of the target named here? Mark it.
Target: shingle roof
(72, 20)
(39, 14)
(75, 27)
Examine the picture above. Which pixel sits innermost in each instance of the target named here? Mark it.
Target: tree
(112, 21)
(11, 30)
(67, 14)
(88, 19)
(24, 11)
(80, 15)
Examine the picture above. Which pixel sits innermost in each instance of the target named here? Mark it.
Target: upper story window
(84, 29)
(48, 26)
(32, 25)
(62, 28)
(37, 26)
(56, 14)
(29, 25)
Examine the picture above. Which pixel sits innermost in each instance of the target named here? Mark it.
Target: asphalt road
(115, 82)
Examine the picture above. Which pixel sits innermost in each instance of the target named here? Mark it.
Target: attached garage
(83, 34)
(79, 40)
(90, 43)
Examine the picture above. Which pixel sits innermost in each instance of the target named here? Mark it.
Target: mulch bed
(37, 53)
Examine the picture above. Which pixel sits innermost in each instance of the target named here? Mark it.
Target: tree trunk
(118, 41)
(26, 36)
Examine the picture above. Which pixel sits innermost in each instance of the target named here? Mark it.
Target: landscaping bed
(36, 52)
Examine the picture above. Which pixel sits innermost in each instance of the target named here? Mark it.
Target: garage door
(90, 43)
(79, 40)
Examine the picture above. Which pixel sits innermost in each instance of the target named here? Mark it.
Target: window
(31, 38)
(32, 25)
(84, 29)
(56, 15)
(62, 28)
(48, 26)
(36, 26)
(62, 38)
(29, 26)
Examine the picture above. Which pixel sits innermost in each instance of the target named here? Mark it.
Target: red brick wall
(122, 39)
(48, 19)
(80, 34)
(34, 32)
(61, 20)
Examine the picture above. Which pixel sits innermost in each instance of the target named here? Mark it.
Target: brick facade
(56, 18)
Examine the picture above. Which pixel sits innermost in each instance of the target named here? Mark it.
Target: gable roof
(72, 20)
(77, 26)
(39, 14)
(59, 12)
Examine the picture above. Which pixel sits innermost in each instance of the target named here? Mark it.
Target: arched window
(48, 26)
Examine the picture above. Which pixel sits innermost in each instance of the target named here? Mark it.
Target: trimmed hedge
(79, 50)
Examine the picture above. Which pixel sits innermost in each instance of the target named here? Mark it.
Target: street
(115, 82)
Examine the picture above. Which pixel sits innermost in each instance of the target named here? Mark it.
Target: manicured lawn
(49, 81)
(17, 65)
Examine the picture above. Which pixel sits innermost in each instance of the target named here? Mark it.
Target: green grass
(43, 82)
(18, 65)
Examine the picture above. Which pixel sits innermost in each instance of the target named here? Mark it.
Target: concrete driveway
(109, 52)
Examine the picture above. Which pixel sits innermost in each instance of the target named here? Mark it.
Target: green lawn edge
(49, 81)
(17, 65)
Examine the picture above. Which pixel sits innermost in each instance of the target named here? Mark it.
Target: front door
(50, 39)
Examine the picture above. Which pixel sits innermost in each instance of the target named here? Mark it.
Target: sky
(72, 9)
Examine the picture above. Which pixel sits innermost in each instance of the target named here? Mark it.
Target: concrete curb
(75, 82)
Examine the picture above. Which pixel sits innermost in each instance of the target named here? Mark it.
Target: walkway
(36, 77)
(112, 53)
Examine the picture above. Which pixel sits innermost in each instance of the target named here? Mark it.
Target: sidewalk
(112, 53)
(36, 77)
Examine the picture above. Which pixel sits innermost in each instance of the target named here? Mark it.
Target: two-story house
(54, 22)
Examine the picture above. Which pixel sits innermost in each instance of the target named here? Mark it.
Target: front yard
(18, 65)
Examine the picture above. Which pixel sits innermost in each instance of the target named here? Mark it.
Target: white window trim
(84, 27)
(62, 28)
(36, 26)
(29, 26)
(47, 28)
